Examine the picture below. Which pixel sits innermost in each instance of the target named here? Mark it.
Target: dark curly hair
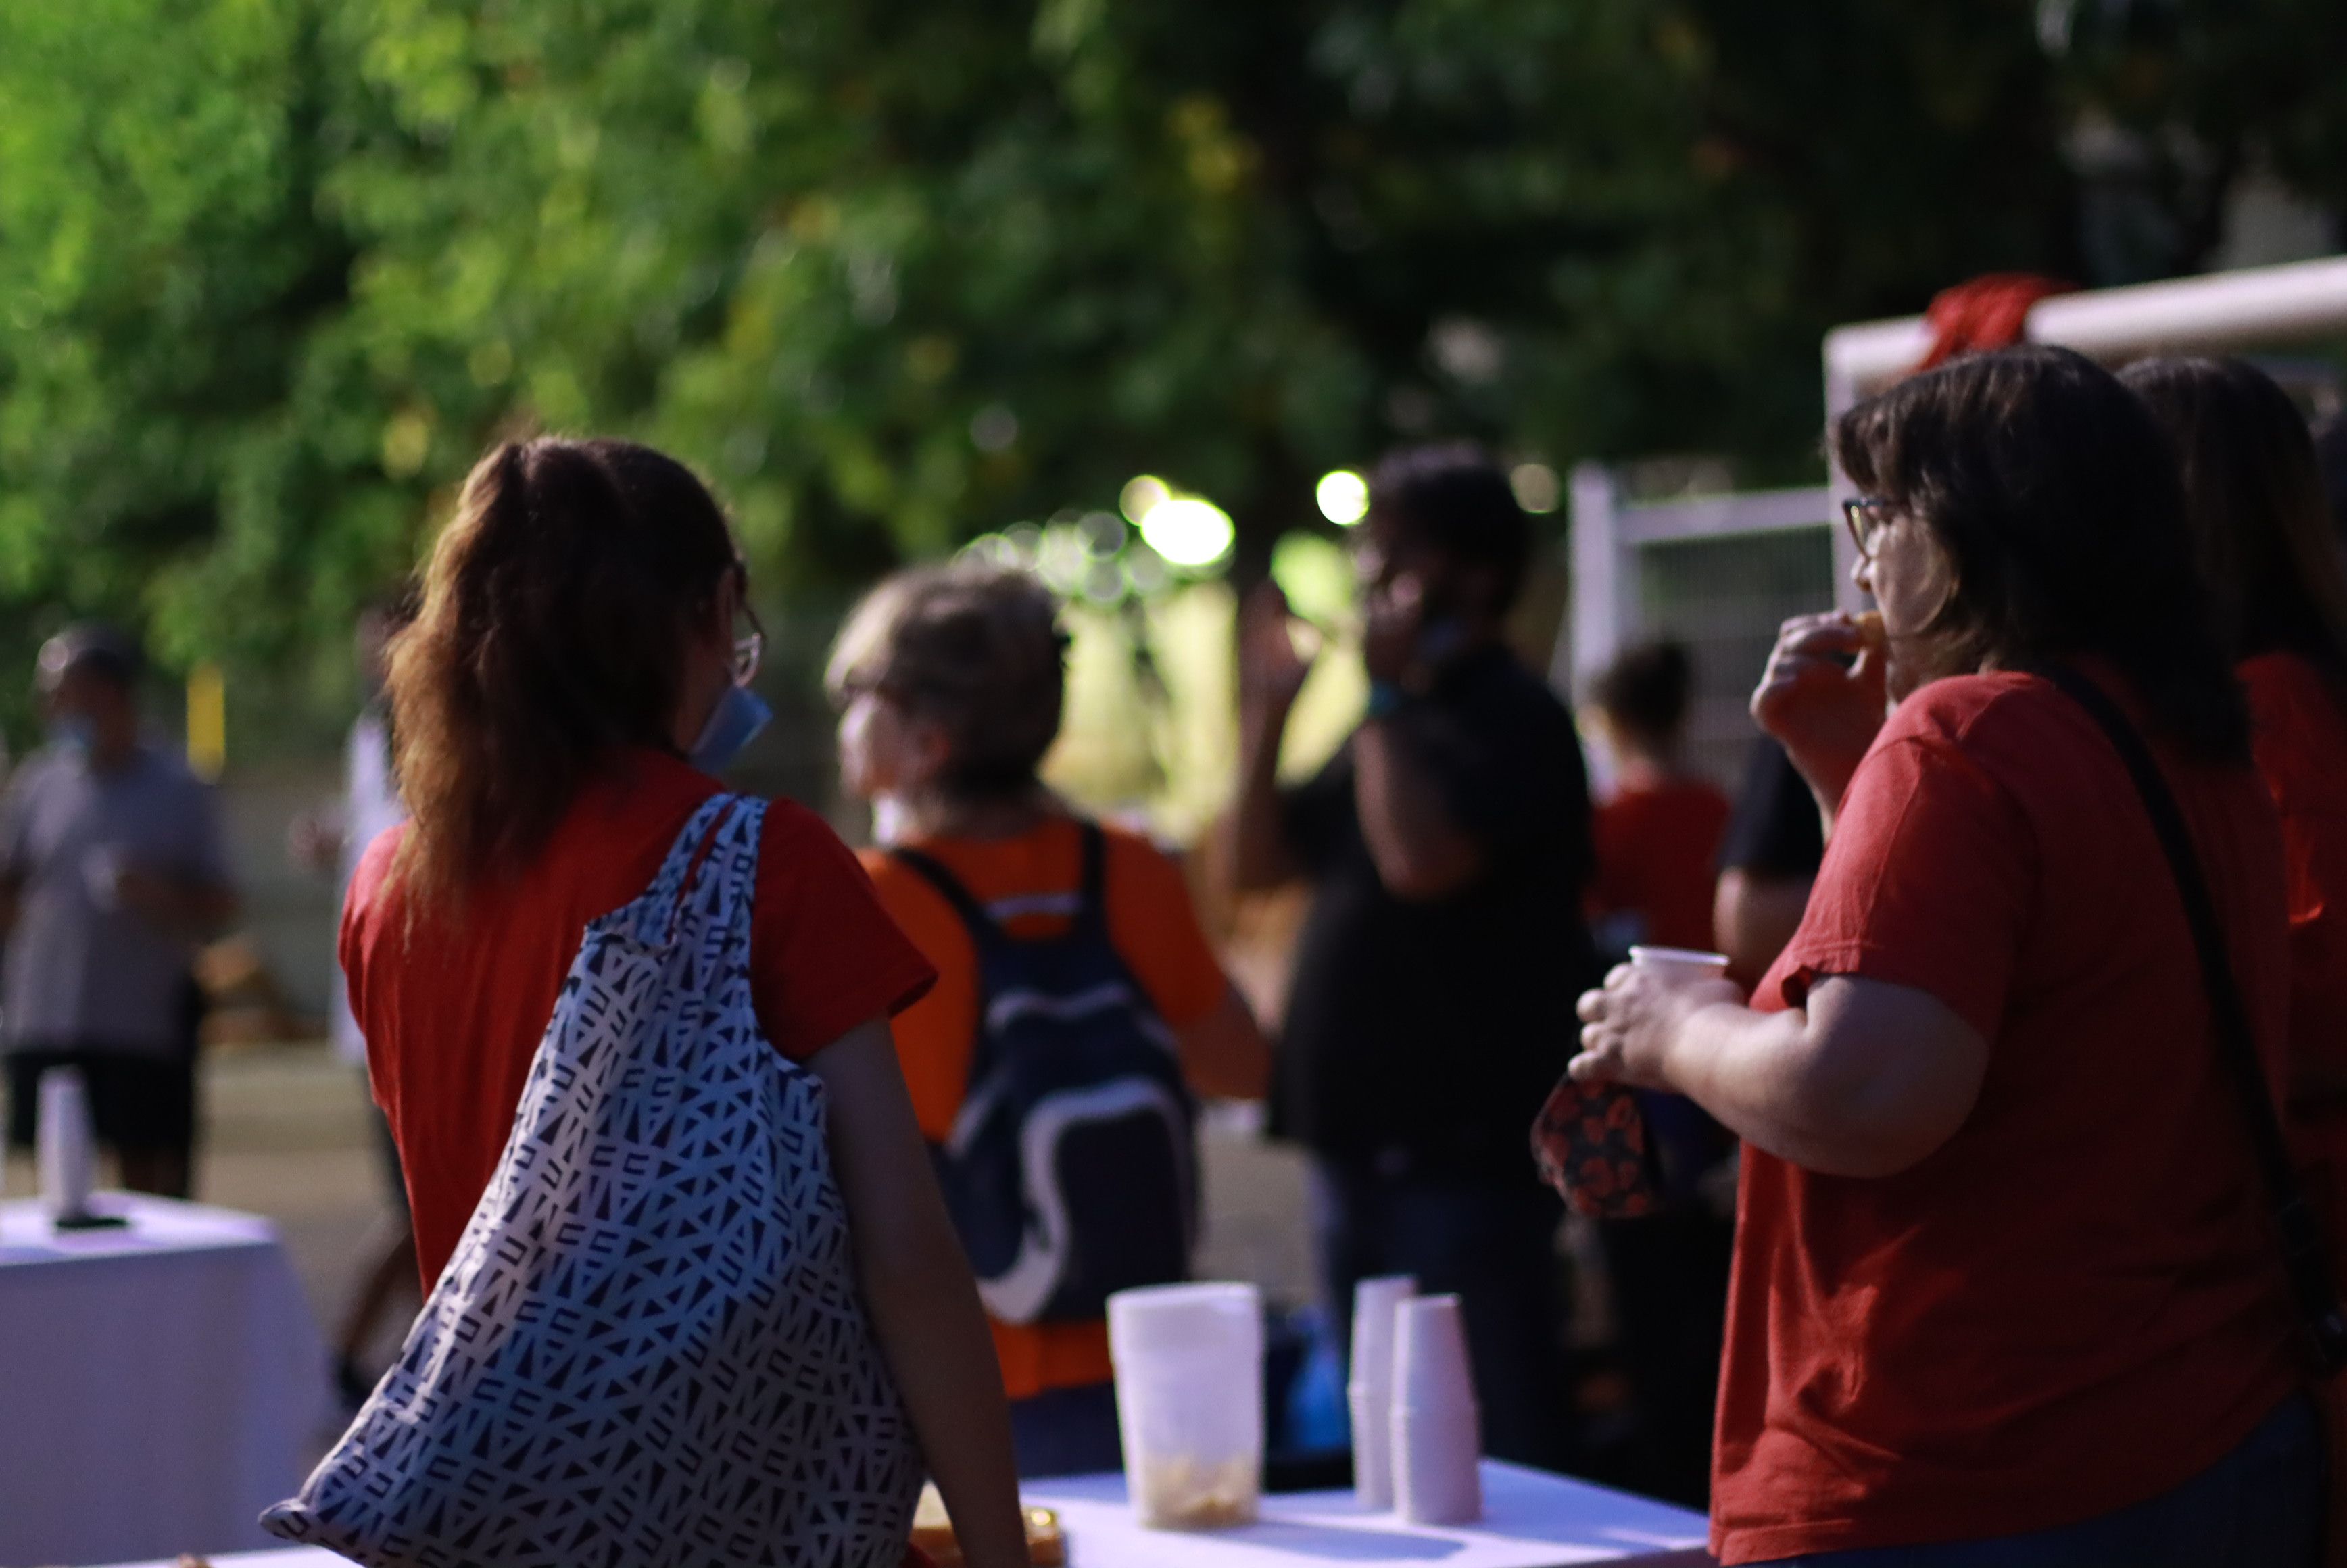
(2054, 497)
(2254, 499)
(1454, 496)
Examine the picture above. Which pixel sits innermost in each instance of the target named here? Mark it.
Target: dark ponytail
(556, 609)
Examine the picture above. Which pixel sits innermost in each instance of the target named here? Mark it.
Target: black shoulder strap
(2303, 1254)
(984, 929)
(1092, 884)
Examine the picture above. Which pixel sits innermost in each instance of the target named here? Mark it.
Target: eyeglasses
(750, 651)
(1867, 516)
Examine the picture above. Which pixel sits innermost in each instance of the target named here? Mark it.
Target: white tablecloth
(160, 1384)
(1531, 1519)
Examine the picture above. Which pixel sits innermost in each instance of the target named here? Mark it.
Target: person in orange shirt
(1078, 1005)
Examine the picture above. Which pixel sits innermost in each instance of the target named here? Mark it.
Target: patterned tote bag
(649, 1348)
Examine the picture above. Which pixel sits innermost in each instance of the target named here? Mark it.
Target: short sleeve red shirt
(1656, 848)
(2074, 1304)
(453, 1007)
(2299, 731)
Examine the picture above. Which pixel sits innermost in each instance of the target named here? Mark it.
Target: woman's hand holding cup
(1630, 1025)
(1824, 696)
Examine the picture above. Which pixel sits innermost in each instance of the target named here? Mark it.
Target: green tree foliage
(895, 271)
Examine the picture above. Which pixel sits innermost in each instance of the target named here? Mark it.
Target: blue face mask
(739, 714)
(74, 732)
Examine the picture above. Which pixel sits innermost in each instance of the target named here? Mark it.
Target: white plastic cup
(1368, 1391)
(66, 1156)
(1436, 1432)
(1680, 966)
(1189, 1399)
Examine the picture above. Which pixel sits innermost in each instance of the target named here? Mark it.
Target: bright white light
(1188, 531)
(1344, 497)
(1142, 495)
(1536, 486)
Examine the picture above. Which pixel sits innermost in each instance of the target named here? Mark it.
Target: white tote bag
(649, 1348)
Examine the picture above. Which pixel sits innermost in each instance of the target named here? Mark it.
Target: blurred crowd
(1989, 1185)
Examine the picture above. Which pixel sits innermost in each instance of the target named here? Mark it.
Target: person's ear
(928, 749)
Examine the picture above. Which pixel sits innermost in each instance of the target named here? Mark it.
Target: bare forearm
(1259, 856)
(918, 1288)
(1752, 919)
(1825, 1088)
(1225, 1054)
(933, 1331)
(1420, 852)
(1749, 1070)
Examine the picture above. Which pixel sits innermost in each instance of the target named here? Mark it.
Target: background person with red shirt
(578, 642)
(1657, 833)
(2261, 533)
(949, 683)
(2005, 1290)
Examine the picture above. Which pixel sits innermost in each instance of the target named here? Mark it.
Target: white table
(1531, 1519)
(160, 1384)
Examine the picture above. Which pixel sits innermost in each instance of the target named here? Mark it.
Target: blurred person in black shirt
(1768, 859)
(1448, 849)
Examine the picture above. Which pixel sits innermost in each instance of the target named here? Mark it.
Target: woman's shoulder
(370, 876)
(1967, 710)
(2290, 688)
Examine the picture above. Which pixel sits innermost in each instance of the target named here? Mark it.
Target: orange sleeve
(937, 1035)
(1155, 927)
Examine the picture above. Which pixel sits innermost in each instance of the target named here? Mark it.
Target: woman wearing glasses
(2004, 1288)
(578, 669)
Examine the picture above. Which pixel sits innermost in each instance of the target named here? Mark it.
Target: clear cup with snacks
(1189, 1398)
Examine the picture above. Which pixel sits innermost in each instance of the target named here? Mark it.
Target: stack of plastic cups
(1437, 1427)
(67, 1157)
(1189, 1398)
(1369, 1390)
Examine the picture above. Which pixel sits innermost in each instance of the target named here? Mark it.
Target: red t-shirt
(2075, 1303)
(2300, 736)
(453, 1009)
(1656, 851)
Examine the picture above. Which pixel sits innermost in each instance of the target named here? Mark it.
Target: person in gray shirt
(111, 873)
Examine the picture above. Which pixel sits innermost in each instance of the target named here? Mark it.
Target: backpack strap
(1091, 883)
(2303, 1254)
(985, 931)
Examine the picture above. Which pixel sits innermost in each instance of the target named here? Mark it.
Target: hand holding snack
(1824, 695)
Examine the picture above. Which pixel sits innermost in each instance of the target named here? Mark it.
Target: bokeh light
(1536, 486)
(1188, 531)
(1343, 496)
(1141, 495)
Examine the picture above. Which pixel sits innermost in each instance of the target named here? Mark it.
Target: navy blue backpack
(1071, 1170)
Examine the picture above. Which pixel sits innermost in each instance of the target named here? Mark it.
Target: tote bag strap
(664, 903)
(2303, 1253)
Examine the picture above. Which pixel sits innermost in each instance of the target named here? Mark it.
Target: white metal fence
(1720, 572)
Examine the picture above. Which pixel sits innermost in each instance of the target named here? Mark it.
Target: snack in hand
(1871, 631)
(932, 1534)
